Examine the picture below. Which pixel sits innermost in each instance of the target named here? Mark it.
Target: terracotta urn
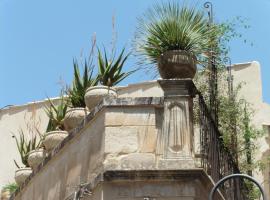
(95, 94)
(53, 138)
(177, 64)
(36, 157)
(74, 117)
(22, 174)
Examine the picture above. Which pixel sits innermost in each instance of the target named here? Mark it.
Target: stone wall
(114, 152)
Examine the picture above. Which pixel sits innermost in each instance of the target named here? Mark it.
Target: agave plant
(172, 26)
(24, 146)
(80, 84)
(11, 187)
(56, 114)
(110, 70)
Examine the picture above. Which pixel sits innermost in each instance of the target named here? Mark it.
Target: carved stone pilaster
(175, 142)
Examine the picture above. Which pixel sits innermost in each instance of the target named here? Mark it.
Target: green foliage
(234, 113)
(80, 84)
(24, 146)
(110, 70)
(56, 114)
(11, 187)
(172, 26)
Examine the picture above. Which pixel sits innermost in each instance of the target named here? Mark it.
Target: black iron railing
(215, 157)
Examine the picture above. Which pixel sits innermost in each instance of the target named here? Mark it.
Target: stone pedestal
(175, 143)
(153, 185)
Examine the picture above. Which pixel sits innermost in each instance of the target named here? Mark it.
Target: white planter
(35, 157)
(74, 117)
(53, 138)
(95, 94)
(22, 174)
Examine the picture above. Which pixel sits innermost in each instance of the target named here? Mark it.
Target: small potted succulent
(78, 111)
(172, 37)
(110, 73)
(55, 132)
(24, 146)
(8, 190)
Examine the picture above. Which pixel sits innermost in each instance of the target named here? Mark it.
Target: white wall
(11, 120)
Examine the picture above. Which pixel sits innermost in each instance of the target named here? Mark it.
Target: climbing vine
(234, 112)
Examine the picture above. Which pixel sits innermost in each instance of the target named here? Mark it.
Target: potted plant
(8, 190)
(78, 110)
(24, 146)
(173, 37)
(55, 130)
(36, 156)
(110, 73)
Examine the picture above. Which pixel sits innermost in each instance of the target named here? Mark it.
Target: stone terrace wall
(113, 138)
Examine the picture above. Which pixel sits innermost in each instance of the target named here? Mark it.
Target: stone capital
(177, 87)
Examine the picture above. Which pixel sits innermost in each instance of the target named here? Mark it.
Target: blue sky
(39, 39)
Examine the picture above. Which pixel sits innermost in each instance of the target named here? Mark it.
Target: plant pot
(177, 64)
(35, 157)
(5, 195)
(95, 94)
(53, 138)
(74, 117)
(22, 174)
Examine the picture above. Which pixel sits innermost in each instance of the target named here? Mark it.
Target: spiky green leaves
(56, 114)
(111, 71)
(80, 84)
(11, 187)
(24, 146)
(171, 26)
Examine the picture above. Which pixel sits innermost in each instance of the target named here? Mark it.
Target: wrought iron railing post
(213, 84)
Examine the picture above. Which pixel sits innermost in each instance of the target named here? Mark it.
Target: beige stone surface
(121, 140)
(134, 116)
(139, 161)
(184, 188)
(79, 160)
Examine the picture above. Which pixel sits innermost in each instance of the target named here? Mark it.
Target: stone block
(121, 140)
(140, 161)
(184, 163)
(147, 139)
(130, 116)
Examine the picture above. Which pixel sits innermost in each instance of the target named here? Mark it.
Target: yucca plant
(111, 70)
(80, 84)
(24, 146)
(56, 114)
(172, 26)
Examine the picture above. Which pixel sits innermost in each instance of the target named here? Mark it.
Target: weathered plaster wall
(249, 75)
(13, 119)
